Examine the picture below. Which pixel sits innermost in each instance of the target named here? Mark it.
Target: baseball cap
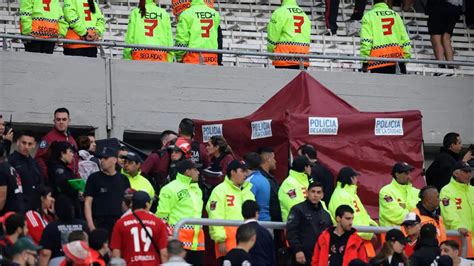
(309, 151)
(411, 219)
(140, 198)
(236, 164)
(184, 165)
(346, 172)
(301, 161)
(131, 156)
(80, 253)
(462, 166)
(396, 235)
(24, 243)
(107, 152)
(401, 167)
(428, 231)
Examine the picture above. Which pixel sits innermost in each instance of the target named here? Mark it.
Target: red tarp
(342, 135)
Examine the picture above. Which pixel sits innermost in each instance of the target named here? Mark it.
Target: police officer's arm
(366, 37)
(61, 179)
(391, 209)
(182, 34)
(40, 157)
(293, 230)
(89, 194)
(71, 16)
(169, 35)
(216, 210)
(166, 202)
(100, 22)
(130, 36)
(404, 38)
(26, 8)
(63, 25)
(274, 29)
(451, 215)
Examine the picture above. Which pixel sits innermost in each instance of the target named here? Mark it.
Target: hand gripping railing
(281, 225)
(301, 57)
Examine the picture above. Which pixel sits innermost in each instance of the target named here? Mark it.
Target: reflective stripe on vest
(386, 51)
(193, 58)
(290, 48)
(150, 55)
(45, 28)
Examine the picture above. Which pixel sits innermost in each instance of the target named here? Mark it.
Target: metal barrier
(301, 57)
(281, 225)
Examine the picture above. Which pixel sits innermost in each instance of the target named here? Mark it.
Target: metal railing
(281, 225)
(301, 57)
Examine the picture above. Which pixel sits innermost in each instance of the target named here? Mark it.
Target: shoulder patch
(445, 202)
(59, 171)
(388, 198)
(212, 205)
(43, 144)
(291, 193)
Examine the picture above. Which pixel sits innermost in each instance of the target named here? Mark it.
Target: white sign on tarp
(323, 125)
(388, 127)
(261, 129)
(211, 130)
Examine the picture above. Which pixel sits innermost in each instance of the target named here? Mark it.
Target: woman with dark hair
(149, 24)
(40, 213)
(391, 253)
(88, 164)
(221, 155)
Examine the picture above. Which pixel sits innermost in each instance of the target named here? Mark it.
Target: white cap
(411, 218)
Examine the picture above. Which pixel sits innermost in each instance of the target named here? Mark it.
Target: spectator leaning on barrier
(428, 211)
(441, 169)
(131, 170)
(346, 194)
(457, 208)
(451, 248)
(294, 188)
(197, 28)
(43, 20)
(149, 24)
(226, 202)
(383, 34)
(182, 198)
(306, 221)
(289, 32)
(260, 185)
(86, 22)
(399, 197)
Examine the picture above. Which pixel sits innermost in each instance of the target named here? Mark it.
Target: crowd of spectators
(56, 210)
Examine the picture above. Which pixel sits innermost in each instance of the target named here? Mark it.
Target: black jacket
(397, 260)
(58, 176)
(306, 222)
(440, 171)
(426, 251)
(29, 172)
(321, 174)
(263, 252)
(275, 209)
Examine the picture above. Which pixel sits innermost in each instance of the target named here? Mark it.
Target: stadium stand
(244, 29)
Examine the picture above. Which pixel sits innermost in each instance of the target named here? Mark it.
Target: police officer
(197, 28)
(42, 19)
(226, 202)
(149, 24)
(289, 32)
(383, 34)
(182, 198)
(457, 208)
(399, 197)
(131, 170)
(428, 211)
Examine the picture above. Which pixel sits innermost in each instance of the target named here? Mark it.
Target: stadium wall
(117, 95)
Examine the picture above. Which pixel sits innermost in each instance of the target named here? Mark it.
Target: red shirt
(131, 239)
(410, 248)
(36, 223)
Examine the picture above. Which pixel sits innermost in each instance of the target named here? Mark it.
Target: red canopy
(305, 111)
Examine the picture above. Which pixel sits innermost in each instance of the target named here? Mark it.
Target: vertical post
(201, 59)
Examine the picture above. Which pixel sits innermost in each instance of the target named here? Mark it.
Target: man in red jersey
(130, 239)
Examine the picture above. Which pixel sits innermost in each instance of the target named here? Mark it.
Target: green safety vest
(383, 34)
(139, 182)
(395, 202)
(289, 31)
(81, 20)
(292, 191)
(197, 28)
(153, 29)
(42, 19)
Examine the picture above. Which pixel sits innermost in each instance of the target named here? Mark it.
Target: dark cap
(300, 162)
(140, 198)
(309, 151)
(236, 164)
(411, 219)
(346, 172)
(131, 156)
(401, 167)
(24, 243)
(107, 152)
(462, 166)
(428, 231)
(396, 235)
(184, 165)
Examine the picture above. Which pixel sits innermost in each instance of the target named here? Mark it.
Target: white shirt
(465, 262)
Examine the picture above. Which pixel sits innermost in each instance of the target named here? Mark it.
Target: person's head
(236, 172)
(63, 208)
(396, 240)
(309, 151)
(77, 235)
(186, 128)
(315, 192)
(429, 197)
(267, 156)
(84, 143)
(2, 125)
(99, 240)
(167, 137)
(127, 199)
(250, 209)
(62, 151)
(216, 146)
(79, 253)
(452, 141)
(15, 225)
(25, 143)
(42, 199)
(141, 200)
(61, 119)
(428, 233)
(412, 225)
(450, 248)
(252, 160)
(108, 158)
(180, 149)
(347, 176)
(246, 234)
(301, 164)
(462, 172)
(344, 217)
(175, 249)
(93, 144)
(189, 168)
(132, 163)
(25, 252)
(401, 171)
